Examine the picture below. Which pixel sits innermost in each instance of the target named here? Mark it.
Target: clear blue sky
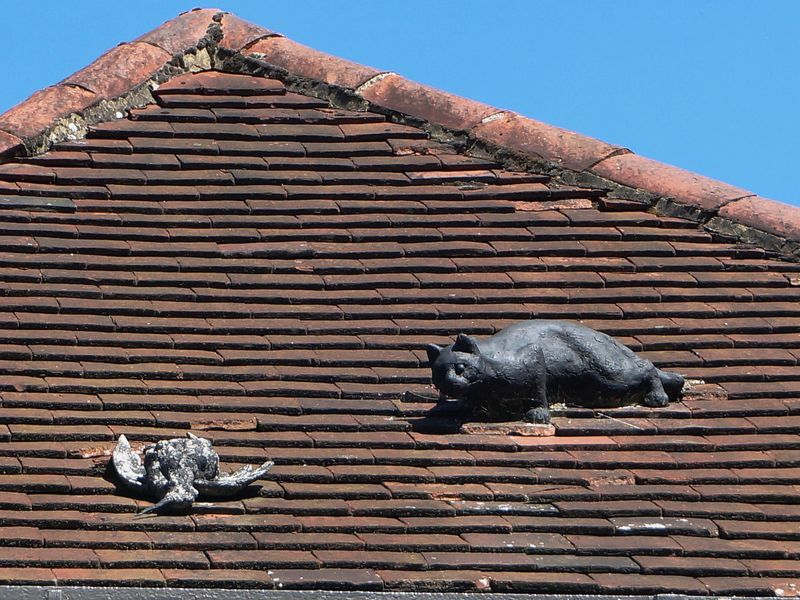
(708, 85)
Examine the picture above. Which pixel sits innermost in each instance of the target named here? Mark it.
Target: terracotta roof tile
(238, 33)
(182, 32)
(423, 102)
(43, 108)
(527, 136)
(310, 63)
(9, 143)
(667, 181)
(771, 216)
(119, 69)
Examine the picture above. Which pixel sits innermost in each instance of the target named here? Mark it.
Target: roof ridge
(125, 76)
(122, 78)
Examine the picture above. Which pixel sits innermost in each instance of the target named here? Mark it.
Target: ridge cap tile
(238, 33)
(314, 64)
(767, 215)
(665, 180)
(120, 69)
(523, 134)
(181, 32)
(427, 103)
(39, 111)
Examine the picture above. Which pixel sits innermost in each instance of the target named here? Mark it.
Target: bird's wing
(227, 484)
(128, 464)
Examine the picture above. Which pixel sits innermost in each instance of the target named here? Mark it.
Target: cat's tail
(672, 382)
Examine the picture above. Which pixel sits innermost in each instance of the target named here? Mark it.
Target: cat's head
(457, 368)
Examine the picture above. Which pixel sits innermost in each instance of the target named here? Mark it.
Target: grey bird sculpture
(175, 472)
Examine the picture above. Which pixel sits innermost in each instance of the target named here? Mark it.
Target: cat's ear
(466, 344)
(433, 352)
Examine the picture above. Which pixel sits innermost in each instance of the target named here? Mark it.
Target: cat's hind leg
(672, 382)
(656, 395)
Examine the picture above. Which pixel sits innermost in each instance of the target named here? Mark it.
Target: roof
(213, 228)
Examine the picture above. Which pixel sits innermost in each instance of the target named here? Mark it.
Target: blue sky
(707, 85)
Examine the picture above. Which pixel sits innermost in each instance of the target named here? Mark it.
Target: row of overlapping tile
(258, 267)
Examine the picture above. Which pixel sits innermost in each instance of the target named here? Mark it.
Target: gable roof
(264, 267)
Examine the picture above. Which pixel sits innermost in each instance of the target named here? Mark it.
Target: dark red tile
(648, 584)
(741, 586)
(48, 557)
(326, 579)
(27, 575)
(217, 578)
(256, 559)
(105, 577)
(434, 581)
(542, 583)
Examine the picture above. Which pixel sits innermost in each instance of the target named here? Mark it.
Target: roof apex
(182, 32)
(189, 43)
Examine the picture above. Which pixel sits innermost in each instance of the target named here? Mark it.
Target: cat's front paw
(446, 407)
(540, 414)
(656, 399)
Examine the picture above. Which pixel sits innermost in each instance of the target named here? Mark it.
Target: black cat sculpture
(520, 371)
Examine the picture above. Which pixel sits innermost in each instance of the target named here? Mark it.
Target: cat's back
(519, 336)
(528, 335)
